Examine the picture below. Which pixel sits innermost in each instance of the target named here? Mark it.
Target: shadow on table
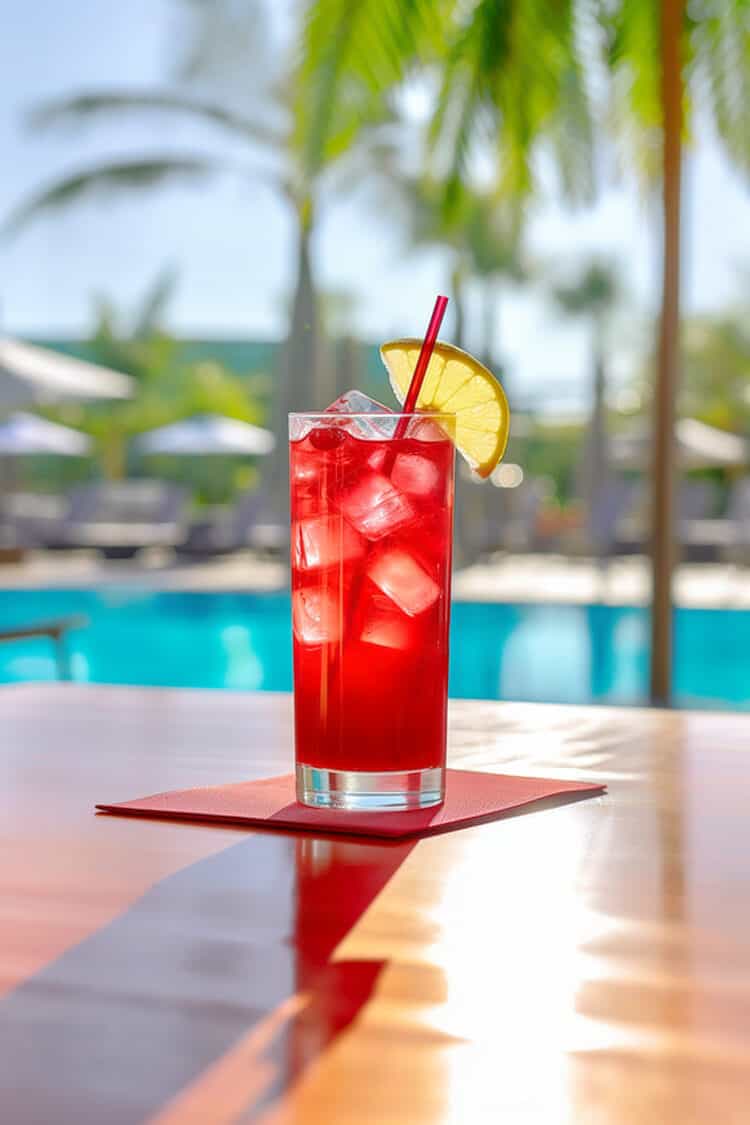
(118, 1026)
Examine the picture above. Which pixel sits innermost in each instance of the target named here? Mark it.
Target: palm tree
(483, 249)
(513, 71)
(261, 147)
(493, 239)
(672, 99)
(592, 295)
(484, 245)
(430, 226)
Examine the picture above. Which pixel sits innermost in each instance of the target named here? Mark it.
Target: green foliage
(354, 54)
(633, 57)
(170, 385)
(594, 292)
(213, 89)
(106, 106)
(117, 175)
(511, 77)
(715, 50)
(493, 238)
(267, 128)
(720, 34)
(484, 234)
(554, 452)
(715, 371)
(517, 77)
(228, 77)
(509, 71)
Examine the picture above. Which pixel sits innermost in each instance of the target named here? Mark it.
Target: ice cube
(369, 429)
(384, 626)
(325, 541)
(416, 475)
(424, 429)
(309, 483)
(410, 472)
(374, 506)
(315, 617)
(405, 582)
(305, 468)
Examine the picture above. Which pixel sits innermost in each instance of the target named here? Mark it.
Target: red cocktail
(372, 513)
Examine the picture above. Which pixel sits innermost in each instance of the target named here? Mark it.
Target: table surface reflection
(585, 963)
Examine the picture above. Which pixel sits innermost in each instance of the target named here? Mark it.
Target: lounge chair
(724, 537)
(224, 532)
(240, 527)
(268, 536)
(739, 513)
(56, 631)
(696, 502)
(122, 517)
(32, 516)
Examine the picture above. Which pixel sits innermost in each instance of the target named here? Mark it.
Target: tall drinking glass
(372, 518)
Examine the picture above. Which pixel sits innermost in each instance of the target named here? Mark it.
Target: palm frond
(494, 238)
(227, 43)
(95, 105)
(720, 35)
(509, 71)
(477, 52)
(354, 54)
(151, 310)
(126, 175)
(512, 78)
(428, 221)
(594, 290)
(572, 130)
(634, 59)
(715, 55)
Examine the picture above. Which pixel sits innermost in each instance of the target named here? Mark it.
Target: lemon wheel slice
(458, 384)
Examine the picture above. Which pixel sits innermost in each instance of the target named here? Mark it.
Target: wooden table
(588, 963)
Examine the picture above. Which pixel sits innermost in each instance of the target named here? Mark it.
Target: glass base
(370, 792)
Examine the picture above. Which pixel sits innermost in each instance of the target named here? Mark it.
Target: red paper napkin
(471, 798)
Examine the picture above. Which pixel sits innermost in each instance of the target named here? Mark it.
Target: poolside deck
(504, 578)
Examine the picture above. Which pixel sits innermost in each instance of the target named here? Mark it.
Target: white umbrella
(698, 447)
(29, 374)
(207, 434)
(708, 446)
(26, 435)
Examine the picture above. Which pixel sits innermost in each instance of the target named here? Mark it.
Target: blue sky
(231, 241)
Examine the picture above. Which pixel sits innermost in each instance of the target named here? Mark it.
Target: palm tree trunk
(489, 325)
(297, 382)
(113, 455)
(458, 278)
(598, 437)
(347, 365)
(465, 499)
(662, 505)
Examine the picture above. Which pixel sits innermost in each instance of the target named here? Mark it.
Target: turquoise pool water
(575, 654)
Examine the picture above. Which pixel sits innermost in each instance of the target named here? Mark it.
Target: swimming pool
(571, 654)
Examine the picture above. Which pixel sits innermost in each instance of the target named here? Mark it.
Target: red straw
(425, 354)
(415, 386)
